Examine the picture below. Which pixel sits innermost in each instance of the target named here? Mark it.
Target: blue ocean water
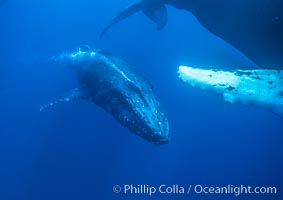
(78, 151)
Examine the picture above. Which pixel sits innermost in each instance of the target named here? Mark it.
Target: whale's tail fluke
(157, 13)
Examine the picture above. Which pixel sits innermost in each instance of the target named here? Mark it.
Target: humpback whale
(263, 88)
(113, 85)
(254, 27)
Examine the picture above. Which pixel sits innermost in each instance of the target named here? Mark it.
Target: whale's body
(255, 27)
(112, 84)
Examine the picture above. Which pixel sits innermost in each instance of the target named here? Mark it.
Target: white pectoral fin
(70, 96)
(262, 87)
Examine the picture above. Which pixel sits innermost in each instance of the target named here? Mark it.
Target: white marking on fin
(71, 95)
(263, 87)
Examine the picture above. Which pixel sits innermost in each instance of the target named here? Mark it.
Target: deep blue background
(78, 151)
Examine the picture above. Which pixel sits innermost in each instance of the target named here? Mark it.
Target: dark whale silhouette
(255, 27)
(112, 84)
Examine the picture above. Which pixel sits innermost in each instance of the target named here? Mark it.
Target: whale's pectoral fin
(132, 9)
(158, 15)
(71, 95)
(262, 87)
